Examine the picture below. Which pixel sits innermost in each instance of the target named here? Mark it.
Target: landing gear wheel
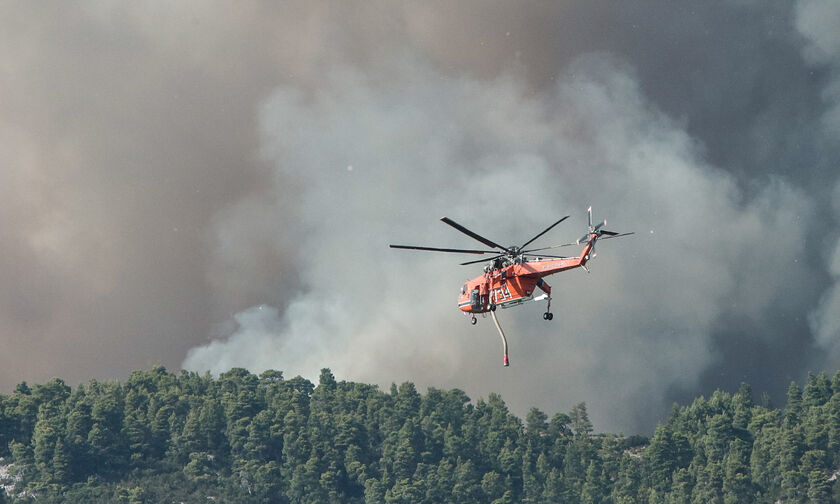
(473, 320)
(492, 307)
(548, 316)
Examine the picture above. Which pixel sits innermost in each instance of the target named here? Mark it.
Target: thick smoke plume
(817, 22)
(379, 161)
(192, 181)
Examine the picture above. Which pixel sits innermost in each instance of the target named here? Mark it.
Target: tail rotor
(595, 232)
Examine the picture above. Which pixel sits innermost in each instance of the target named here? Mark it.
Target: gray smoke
(379, 161)
(169, 168)
(817, 22)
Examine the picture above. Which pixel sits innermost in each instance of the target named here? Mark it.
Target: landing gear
(548, 316)
(492, 307)
(473, 320)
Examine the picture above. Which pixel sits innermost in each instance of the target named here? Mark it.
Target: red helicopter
(512, 276)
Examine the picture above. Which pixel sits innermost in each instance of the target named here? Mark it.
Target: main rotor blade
(469, 233)
(616, 235)
(612, 234)
(544, 232)
(482, 260)
(436, 249)
(548, 248)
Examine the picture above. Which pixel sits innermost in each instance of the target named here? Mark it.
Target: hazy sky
(214, 184)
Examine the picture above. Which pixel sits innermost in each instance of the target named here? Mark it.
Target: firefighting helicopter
(512, 276)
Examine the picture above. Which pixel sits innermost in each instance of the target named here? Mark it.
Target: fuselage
(513, 284)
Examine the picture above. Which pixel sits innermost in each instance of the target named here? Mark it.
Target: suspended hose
(502, 334)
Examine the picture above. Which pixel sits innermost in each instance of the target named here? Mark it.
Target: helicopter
(514, 274)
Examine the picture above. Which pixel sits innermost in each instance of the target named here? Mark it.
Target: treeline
(161, 437)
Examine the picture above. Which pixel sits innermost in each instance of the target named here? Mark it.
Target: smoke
(168, 168)
(380, 161)
(816, 21)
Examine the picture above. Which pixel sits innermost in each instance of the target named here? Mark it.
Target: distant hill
(161, 437)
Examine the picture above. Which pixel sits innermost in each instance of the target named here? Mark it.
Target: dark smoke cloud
(815, 21)
(119, 147)
(168, 169)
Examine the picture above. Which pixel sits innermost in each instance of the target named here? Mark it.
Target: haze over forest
(206, 186)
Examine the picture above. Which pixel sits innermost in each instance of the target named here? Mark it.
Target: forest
(241, 437)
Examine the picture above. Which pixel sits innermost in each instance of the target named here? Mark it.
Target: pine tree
(819, 488)
(737, 485)
(406, 450)
(595, 487)
(817, 390)
(709, 486)
(580, 420)
(764, 461)
(44, 438)
(789, 447)
(536, 422)
(493, 486)
(661, 458)
(794, 486)
(76, 432)
(718, 436)
(466, 488)
(199, 467)
(531, 485)
(441, 482)
(742, 405)
(108, 447)
(793, 410)
(191, 440)
(681, 488)
(211, 424)
(655, 497)
(135, 432)
(831, 417)
(555, 489)
(60, 464)
(626, 487)
(406, 402)
(374, 491)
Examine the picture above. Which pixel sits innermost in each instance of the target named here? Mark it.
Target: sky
(204, 185)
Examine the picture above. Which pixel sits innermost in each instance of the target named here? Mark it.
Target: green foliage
(264, 439)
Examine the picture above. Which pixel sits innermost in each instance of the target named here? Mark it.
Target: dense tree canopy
(161, 437)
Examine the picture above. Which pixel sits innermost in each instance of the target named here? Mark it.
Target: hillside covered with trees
(161, 437)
